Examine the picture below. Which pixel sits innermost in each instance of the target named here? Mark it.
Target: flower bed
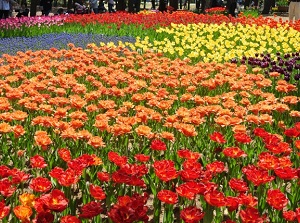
(130, 134)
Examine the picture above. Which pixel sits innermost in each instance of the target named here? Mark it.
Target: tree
(174, 4)
(70, 4)
(267, 6)
(33, 5)
(121, 5)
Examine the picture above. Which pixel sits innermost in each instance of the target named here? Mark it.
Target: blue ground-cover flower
(56, 40)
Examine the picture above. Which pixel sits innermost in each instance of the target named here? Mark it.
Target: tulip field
(150, 117)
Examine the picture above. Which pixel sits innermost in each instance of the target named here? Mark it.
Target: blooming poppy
(167, 196)
(90, 210)
(191, 214)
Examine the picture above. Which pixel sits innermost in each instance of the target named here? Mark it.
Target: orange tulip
(23, 212)
(27, 199)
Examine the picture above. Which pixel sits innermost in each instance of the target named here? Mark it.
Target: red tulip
(191, 214)
(103, 176)
(4, 210)
(165, 170)
(276, 199)
(116, 158)
(64, 154)
(69, 219)
(289, 215)
(130, 209)
(234, 152)
(97, 192)
(215, 198)
(217, 137)
(167, 196)
(238, 185)
(242, 138)
(38, 161)
(90, 210)
(158, 145)
(40, 184)
(251, 215)
(55, 200)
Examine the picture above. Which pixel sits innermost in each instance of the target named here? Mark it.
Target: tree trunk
(247, 3)
(130, 6)
(70, 5)
(121, 5)
(174, 4)
(208, 4)
(267, 6)
(162, 5)
(33, 5)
